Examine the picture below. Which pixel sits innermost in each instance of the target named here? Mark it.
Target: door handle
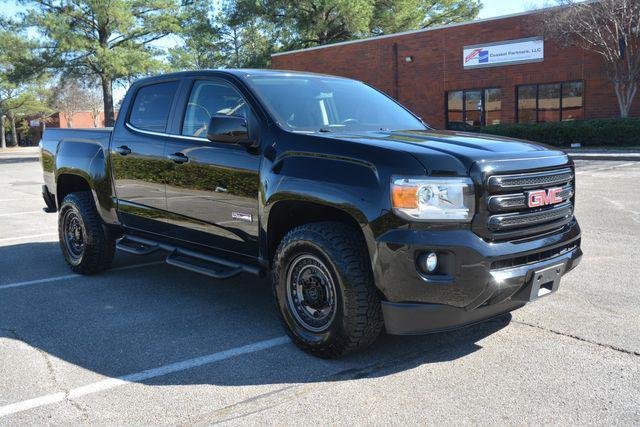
(123, 150)
(178, 158)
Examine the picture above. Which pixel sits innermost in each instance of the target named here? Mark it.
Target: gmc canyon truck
(366, 218)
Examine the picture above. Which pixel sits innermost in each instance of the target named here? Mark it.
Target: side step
(126, 244)
(218, 268)
(177, 259)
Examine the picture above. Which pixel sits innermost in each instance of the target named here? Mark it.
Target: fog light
(428, 262)
(431, 262)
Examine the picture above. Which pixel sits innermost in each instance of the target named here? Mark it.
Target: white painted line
(21, 199)
(31, 403)
(635, 215)
(33, 236)
(38, 281)
(605, 169)
(140, 376)
(22, 213)
(72, 276)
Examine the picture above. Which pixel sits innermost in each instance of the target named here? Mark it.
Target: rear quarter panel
(83, 153)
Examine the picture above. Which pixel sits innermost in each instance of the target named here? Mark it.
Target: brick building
(497, 70)
(81, 119)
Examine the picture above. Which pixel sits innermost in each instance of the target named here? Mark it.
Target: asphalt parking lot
(145, 343)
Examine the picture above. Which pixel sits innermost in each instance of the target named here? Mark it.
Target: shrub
(588, 133)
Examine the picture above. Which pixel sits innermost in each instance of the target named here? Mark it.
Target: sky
(490, 9)
(493, 8)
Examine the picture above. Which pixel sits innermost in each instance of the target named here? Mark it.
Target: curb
(606, 156)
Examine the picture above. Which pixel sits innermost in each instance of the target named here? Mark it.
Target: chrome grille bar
(513, 202)
(498, 183)
(527, 219)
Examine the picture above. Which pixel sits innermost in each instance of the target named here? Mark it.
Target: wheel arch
(68, 183)
(287, 214)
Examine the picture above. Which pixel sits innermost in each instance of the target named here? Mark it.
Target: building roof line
(421, 30)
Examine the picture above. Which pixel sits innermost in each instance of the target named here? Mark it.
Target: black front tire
(86, 243)
(339, 251)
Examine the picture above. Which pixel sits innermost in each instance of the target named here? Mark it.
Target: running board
(177, 259)
(133, 247)
(197, 262)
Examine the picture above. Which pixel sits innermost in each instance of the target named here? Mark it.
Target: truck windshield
(327, 104)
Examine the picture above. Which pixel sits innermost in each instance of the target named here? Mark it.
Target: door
(212, 188)
(138, 158)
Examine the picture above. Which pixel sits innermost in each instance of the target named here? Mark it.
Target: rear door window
(152, 106)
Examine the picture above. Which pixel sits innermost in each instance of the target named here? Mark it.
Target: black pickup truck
(365, 217)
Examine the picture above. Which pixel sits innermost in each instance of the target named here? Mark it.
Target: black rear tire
(86, 243)
(324, 289)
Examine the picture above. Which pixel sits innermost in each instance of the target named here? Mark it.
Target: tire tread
(363, 313)
(100, 246)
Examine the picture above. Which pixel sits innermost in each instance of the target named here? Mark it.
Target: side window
(209, 98)
(152, 106)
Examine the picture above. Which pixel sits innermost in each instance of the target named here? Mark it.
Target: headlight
(433, 199)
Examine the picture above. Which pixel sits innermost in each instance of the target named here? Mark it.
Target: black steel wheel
(324, 289)
(74, 235)
(311, 293)
(85, 242)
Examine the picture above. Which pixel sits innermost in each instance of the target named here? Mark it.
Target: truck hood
(449, 151)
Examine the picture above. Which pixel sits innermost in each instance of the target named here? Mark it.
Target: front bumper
(474, 284)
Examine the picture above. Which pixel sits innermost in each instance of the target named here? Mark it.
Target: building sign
(504, 53)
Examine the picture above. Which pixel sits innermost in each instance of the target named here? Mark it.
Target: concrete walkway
(619, 155)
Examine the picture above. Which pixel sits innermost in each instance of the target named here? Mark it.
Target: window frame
(537, 86)
(464, 103)
(171, 115)
(185, 104)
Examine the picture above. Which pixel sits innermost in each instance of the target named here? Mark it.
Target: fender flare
(86, 159)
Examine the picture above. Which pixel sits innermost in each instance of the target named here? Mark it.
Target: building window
(471, 109)
(550, 102)
(572, 104)
(492, 106)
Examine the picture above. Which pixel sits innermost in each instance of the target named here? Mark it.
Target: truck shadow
(129, 320)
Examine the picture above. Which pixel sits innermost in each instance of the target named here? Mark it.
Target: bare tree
(69, 98)
(610, 28)
(93, 102)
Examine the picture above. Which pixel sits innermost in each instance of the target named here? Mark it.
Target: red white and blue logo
(481, 56)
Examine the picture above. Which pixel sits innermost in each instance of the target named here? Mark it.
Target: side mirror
(229, 129)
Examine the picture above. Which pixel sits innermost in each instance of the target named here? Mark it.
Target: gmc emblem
(539, 198)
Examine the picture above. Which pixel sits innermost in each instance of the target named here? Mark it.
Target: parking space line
(582, 172)
(21, 213)
(140, 376)
(72, 276)
(33, 236)
(19, 199)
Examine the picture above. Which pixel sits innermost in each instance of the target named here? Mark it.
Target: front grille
(515, 220)
(535, 257)
(507, 213)
(510, 202)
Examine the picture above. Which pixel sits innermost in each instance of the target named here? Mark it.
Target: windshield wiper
(324, 130)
